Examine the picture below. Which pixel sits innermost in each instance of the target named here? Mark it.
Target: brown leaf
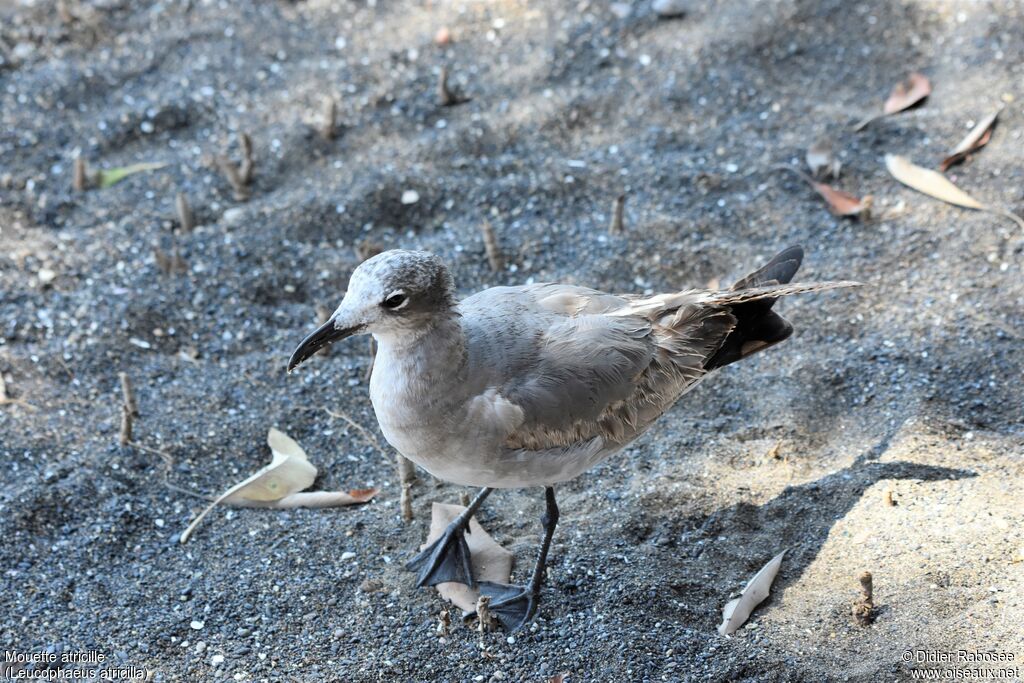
(558, 678)
(911, 91)
(908, 93)
(975, 140)
(490, 562)
(843, 203)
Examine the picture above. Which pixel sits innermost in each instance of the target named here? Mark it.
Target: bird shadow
(742, 537)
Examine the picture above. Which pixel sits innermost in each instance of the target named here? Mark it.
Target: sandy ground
(908, 389)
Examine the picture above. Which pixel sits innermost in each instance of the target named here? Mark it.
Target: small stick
(464, 499)
(185, 217)
(444, 622)
(126, 425)
(80, 181)
(864, 609)
(889, 500)
(233, 177)
(128, 393)
(245, 170)
(329, 127)
(445, 96)
(406, 501)
(483, 612)
(615, 227)
(494, 256)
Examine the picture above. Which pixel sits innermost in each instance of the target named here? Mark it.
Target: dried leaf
(915, 88)
(911, 91)
(558, 678)
(934, 184)
(975, 140)
(109, 176)
(843, 203)
(278, 485)
(929, 182)
(821, 159)
(313, 499)
(839, 203)
(490, 562)
(737, 611)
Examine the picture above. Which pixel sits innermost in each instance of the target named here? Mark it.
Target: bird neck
(440, 343)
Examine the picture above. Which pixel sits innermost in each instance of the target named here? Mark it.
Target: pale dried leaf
(313, 499)
(973, 141)
(915, 88)
(737, 611)
(110, 176)
(490, 562)
(929, 182)
(288, 472)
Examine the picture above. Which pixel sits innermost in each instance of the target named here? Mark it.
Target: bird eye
(394, 301)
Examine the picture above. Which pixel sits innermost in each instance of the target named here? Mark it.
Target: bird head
(396, 294)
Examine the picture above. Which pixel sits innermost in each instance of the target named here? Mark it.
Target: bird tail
(750, 301)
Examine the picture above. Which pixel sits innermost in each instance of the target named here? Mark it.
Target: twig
(233, 177)
(128, 409)
(615, 227)
(405, 502)
(444, 622)
(864, 609)
(239, 177)
(494, 256)
(329, 125)
(185, 217)
(889, 500)
(80, 179)
(126, 425)
(445, 96)
(128, 393)
(245, 170)
(406, 476)
(483, 613)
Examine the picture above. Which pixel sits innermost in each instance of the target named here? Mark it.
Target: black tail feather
(757, 326)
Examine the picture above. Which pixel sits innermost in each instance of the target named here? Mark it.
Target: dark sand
(910, 385)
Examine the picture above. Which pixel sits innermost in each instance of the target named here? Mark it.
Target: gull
(533, 385)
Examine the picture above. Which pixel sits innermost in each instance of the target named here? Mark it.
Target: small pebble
(670, 8)
(216, 660)
(410, 197)
(347, 555)
(197, 625)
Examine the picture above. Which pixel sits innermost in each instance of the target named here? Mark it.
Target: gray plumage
(532, 385)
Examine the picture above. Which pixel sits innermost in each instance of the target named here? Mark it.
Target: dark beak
(326, 334)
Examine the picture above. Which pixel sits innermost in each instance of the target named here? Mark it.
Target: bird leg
(447, 558)
(515, 606)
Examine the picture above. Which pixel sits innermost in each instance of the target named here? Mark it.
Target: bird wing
(570, 364)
